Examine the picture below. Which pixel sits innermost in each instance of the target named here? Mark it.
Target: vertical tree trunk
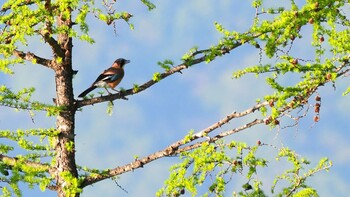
(65, 147)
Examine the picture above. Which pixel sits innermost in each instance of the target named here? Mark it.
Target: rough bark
(65, 150)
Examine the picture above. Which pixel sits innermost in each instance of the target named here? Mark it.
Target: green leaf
(110, 106)
(309, 192)
(157, 77)
(149, 4)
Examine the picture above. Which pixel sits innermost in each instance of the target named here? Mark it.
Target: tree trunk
(65, 144)
(65, 147)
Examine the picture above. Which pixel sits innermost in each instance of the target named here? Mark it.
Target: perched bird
(109, 78)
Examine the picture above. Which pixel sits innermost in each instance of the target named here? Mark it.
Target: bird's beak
(127, 61)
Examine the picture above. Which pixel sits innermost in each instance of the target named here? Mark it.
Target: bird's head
(121, 62)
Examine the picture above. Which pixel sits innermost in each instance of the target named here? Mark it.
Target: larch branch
(175, 148)
(32, 57)
(178, 68)
(56, 48)
(28, 2)
(12, 161)
(122, 95)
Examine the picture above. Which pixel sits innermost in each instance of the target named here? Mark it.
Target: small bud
(329, 76)
(316, 5)
(271, 103)
(276, 122)
(294, 61)
(235, 162)
(292, 37)
(318, 98)
(258, 142)
(321, 39)
(182, 191)
(291, 104)
(268, 120)
(316, 118)
(311, 21)
(296, 14)
(317, 110)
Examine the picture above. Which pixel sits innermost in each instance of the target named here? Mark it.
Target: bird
(109, 78)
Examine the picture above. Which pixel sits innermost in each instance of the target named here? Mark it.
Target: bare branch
(220, 136)
(204, 132)
(56, 48)
(175, 148)
(32, 57)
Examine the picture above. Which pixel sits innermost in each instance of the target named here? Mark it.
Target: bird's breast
(114, 83)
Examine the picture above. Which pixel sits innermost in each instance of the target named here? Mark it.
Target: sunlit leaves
(41, 19)
(220, 162)
(25, 140)
(278, 30)
(166, 65)
(189, 56)
(135, 88)
(156, 77)
(17, 29)
(22, 101)
(23, 168)
(72, 184)
(5, 63)
(211, 160)
(310, 192)
(149, 4)
(347, 91)
(110, 108)
(296, 176)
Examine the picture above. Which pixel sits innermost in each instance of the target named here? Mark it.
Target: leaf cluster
(21, 100)
(30, 167)
(218, 163)
(295, 177)
(212, 160)
(278, 30)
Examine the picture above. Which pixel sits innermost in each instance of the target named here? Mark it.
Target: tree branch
(47, 33)
(204, 132)
(175, 149)
(28, 2)
(178, 68)
(56, 48)
(32, 57)
(122, 94)
(12, 161)
(219, 136)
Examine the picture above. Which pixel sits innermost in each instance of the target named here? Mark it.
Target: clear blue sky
(203, 94)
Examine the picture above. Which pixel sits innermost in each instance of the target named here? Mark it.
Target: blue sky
(199, 97)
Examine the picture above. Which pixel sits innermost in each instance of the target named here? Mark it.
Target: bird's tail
(87, 91)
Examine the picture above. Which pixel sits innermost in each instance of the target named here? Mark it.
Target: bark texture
(65, 149)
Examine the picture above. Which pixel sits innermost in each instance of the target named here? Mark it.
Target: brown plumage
(109, 78)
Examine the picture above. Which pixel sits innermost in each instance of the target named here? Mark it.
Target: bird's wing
(110, 75)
